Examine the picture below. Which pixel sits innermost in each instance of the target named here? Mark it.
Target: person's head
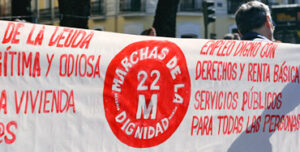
(254, 16)
(231, 36)
(228, 36)
(236, 36)
(151, 32)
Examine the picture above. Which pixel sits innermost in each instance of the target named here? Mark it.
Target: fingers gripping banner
(65, 89)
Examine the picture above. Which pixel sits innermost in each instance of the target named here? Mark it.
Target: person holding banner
(254, 21)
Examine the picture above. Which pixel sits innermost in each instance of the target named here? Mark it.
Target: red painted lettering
(3, 102)
(7, 135)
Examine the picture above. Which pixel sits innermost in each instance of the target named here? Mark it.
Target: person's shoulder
(253, 36)
(261, 39)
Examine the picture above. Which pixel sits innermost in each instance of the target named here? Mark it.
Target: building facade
(133, 16)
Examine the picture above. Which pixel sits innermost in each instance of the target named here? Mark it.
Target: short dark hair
(146, 32)
(228, 36)
(251, 15)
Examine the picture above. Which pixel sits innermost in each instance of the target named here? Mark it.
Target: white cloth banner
(68, 90)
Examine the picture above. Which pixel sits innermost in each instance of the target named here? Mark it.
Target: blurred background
(134, 16)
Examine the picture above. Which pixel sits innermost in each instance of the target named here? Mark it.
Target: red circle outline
(113, 108)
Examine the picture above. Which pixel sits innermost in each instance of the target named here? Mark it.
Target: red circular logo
(146, 92)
